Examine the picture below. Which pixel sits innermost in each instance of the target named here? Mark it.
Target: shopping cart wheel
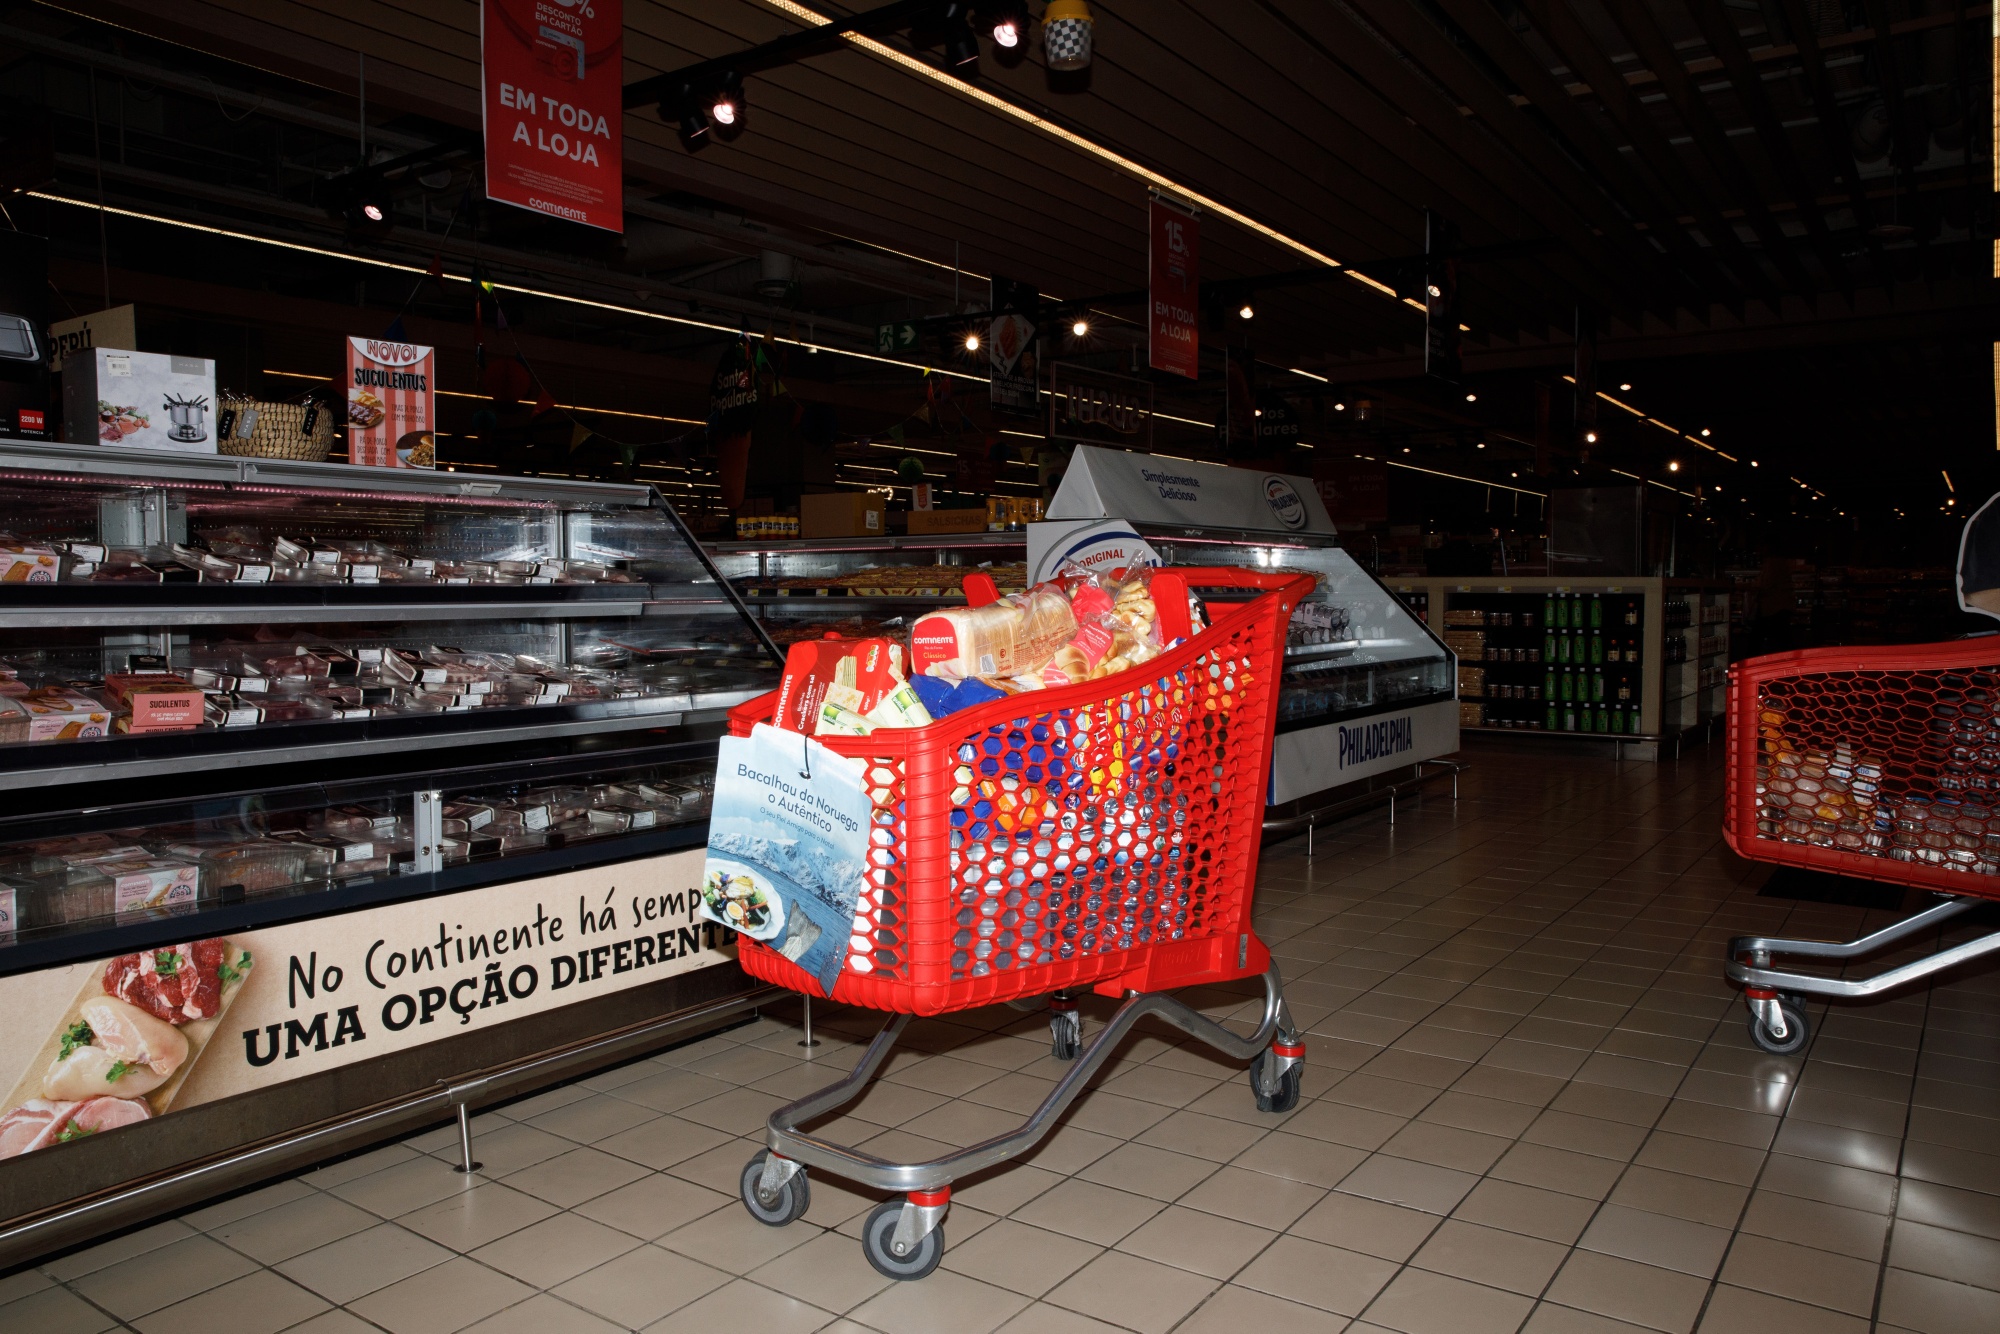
(1797, 1030)
(878, 1237)
(786, 1204)
(1065, 1034)
(1279, 1092)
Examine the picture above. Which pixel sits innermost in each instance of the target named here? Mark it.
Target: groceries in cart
(1074, 628)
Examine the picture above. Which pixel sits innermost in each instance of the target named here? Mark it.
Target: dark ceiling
(1775, 213)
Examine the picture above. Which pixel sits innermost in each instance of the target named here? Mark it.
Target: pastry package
(1016, 635)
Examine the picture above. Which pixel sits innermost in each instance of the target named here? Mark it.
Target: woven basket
(280, 430)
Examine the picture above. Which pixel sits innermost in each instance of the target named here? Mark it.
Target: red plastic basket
(1101, 835)
(1882, 763)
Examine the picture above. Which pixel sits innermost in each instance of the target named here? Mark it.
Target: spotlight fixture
(1340, 407)
(1480, 445)
(1066, 34)
(369, 208)
(961, 48)
(972, 342)
(1673, 465)
(1590, 437)
(1624, 388)
(1010, 23)
(1753, 463)
(1704, 433)
(1472, 398)
(1249, 312)
(725, 104)
(1081, 328)
(684, 110)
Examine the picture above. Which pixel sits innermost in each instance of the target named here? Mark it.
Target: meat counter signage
(91, 1047)
(390, 396)
(1173, 326)
(554, 107)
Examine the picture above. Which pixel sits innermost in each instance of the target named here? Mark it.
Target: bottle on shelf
(1596, 647)
(1596, 612)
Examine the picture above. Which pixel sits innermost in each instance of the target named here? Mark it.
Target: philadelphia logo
(1373, 741)
(1284, 502)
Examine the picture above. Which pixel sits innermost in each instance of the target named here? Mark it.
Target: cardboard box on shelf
(841, 514)
(140, 400)
(947, 521)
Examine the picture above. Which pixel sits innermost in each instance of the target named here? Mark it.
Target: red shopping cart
(1098, 836)
(1881, 763)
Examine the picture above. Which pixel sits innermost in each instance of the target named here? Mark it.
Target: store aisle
(1530, 1104)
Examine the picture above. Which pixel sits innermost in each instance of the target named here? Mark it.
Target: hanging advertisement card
(1010, 347)
(390, 396)
(1173, 331)
(787, 847)
(554, 107)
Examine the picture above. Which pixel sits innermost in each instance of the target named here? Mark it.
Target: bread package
(1012, 637)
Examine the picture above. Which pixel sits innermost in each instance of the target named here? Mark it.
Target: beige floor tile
(441, 1300)
(335, 1321)
(1529, 1210)
(653, 1206)
(1042, 1318)
(571, 1178)
(1013, 1255)
(1421, 1302)
(742, 1305)
(1739, 1311)
(1819, 1278)
(1578, 1174)
(22, 1283)
(357, 1265)
(640, 1286)
(1488, 1116)
(1937, 1306)
(944, 1301)
(1232, 1310)
(55, 1311)
(1144, 1170)
(1549, 1318)
(1004, 1189)
(332, 1174)
(555, 1249)
(829, 1271)
(732, 1241)
(599, 1115)
(470, 1219)
(411, 1184)
(1252, 1197)
(104, 1253)
(1656, 1239)
(1697, 1199)
(658, 1144)
(1303, 1158)
(668, 1090)
(1491, 1256)
(1944, 1206)
(293, 1228)
(1446, 1146)
(157, 1278)
(1136, 1293)
(1088, 1211)
(1325, 1277)
(1203, 1243)
(543, 1314)
(260, 1302)
(1413, 1185)
(1354, 1223)
(1212, 1137)
(507, 1148)
(245, 1203)
(1829, 1227)
(1662, 1299)
(1944, 1253)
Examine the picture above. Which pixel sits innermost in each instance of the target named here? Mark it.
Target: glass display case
(1355, 652)
(244, 691)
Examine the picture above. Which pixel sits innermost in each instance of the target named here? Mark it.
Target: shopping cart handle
(980, 590)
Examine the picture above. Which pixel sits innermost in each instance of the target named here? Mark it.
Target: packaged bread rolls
(1011, 637)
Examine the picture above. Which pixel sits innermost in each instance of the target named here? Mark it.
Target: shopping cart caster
(1065, 1028)
(775, 1190)
(1276, 1074)
(1777, 1021)
(904, 1239)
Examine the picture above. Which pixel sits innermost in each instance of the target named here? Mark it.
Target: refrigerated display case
(355, 780)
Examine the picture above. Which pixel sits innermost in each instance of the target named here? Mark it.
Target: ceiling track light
(1248, 312)
(726, 105)
(1081, 328)
(961, 48)
(1010, 23)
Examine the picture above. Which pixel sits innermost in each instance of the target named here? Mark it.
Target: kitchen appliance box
(139, 400)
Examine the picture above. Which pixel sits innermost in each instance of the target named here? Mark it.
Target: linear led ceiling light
(1068, 136)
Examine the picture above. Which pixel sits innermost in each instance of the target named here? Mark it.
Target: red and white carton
(391, 393)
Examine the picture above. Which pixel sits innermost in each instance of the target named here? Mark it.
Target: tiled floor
(1530, 1105)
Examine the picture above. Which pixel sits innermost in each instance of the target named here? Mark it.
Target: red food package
(156, 701)
(872, 666)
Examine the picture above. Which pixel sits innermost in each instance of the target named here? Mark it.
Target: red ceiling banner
(1173, 329)
(554, 107)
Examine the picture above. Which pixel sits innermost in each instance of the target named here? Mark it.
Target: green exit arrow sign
(893, 338)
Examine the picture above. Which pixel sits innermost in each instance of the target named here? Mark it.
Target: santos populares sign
(554, 107)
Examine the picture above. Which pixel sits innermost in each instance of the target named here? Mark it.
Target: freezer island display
(327, 790)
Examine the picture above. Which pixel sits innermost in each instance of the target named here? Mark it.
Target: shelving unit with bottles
(1694, 654)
